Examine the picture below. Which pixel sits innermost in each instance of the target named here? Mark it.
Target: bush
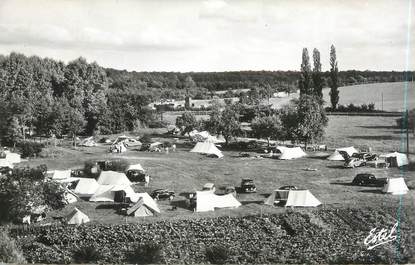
(146, 253)
(9, 253)
(30, 149)
(145, 139)
(87, 254)
(217, 254)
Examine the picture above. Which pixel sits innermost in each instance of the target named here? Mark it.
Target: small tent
(155, 146)
(13, 158)
(208, 201)
(113, 178)
(135, 167)
(292, 153)
(5, 163)
(395, 186)
(76, 217)
(296, 198)
(88, 142)
(111, 193)
(70, 197)
(336, 156)
(207, 148)
(396, 159)
(86, 187)
(145, 205)
(61, 174)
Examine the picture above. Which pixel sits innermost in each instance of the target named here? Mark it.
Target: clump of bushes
(354, 108)
(30, 149)
(217, 254)
(9, 253)
(150, 253)
(146, 139)
(87, 254)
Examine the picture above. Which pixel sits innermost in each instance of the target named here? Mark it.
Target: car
(136, 175)
(248, 186)
(289, 187)
(365, 156)
(368, 179)
(230, 190)
(352, 161)
(209, 186)
(162, 194)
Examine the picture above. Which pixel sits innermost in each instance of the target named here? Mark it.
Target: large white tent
(336, 156)
(395, 186)
(296, 198)
(292, 153)
(76, 217)
(13, 158)
(113, 178)
(145, 205)
(208, 201)
(106, 193)
(396, 159)
(86, 187)
(207, 148)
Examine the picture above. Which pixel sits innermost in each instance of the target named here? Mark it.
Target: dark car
(230, 190)
(366, 156)
(248, 186)
(162, 194)
(289, 187)
(136, 175)
(352, 161)
(368, 179)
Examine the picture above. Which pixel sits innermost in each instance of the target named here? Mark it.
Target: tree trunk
(268, 140)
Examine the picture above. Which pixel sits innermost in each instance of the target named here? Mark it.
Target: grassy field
(186, 172)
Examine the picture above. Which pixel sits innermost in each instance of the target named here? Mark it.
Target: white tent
(154, 146)
(86, 187)
(135, 167)
(61, 174)
(88, 142)
(292, 153)
(208, 201)
(13, 157)
(396, 186)
(5, 163)
(145, 205)
(113, 178)
(396, 159)
(70, 197)
(76, 217)
(207, 148)
(336, 156)
(106, 193)
(298, 198)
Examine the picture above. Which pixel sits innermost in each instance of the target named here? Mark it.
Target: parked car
(368, 179)
(136, 175)
(288, 188)
(248, 186)
(230, 190)
(209, 186)
(352, 161)
(365, 156)
(162, 194)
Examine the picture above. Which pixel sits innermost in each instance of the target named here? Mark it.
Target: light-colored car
(209, 186)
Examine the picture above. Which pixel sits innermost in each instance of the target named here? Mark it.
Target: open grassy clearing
(186, 172)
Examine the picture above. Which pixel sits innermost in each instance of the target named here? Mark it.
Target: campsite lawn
(183, 172)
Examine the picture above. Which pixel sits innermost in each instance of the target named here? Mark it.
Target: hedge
(311, 236)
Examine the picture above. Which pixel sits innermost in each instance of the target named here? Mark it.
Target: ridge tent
(336, 156)
(5, 163)
(111, 193)
(86, 187)
(113, 178)
(292, 153)
(207, 148)
(396, 159)
(145, 205)
(12, 158)
(296, 198)
(396, 186)
(61, 174)
(208, 201)
(76, 217)
(88, 142)
(70, 197)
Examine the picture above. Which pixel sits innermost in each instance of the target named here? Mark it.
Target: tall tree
(225, 122)
(317, 77)
(268, 127)
(334, 79)
(305, 82)
(187, 122)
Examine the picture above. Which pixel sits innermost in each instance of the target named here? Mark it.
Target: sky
(212, 35)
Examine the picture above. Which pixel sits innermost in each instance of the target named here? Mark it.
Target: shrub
(146, 253)
(86, 254)
(217, 254)
(9, 253)
(146, 138)
(30, 149)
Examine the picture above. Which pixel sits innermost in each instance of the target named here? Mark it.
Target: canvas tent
(396, 159)
(292, 153)
(207, 148)
(12, 158)
(395, 186)
(145, 205)
(135, 167)
(113, 178)
(61, 174)
(208, 201)
(154, 146)
(5, 163)
(76, 217)
(296, 198)
(108, 193)
(336, 156)
(88, 142)
(86, 187)
(70, 197)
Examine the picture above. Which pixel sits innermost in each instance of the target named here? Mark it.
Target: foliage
(354, 108)
(9, 252)
(305, 82)
(224, 122)
(317, 76)
(334, 78)
(87, 254)
(407, 122)
(217, 254)
(29, 148)
(268, 127)
(187, 122)
(150, 253)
